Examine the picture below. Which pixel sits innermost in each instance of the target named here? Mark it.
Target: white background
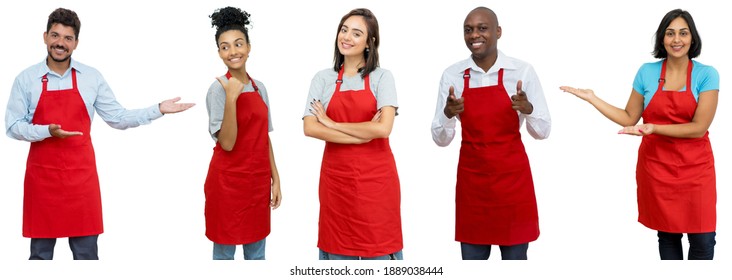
(152, 176)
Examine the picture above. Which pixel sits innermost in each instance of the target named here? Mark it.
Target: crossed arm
(322, 127)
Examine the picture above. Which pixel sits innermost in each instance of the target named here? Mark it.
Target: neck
(486, 62)
(240, 74)
(677, 63)
(351, 64)
(58, 67)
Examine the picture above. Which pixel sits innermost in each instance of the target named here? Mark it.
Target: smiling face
(481, 32)
(233, 49)
(677, 39)
(352, 37)
(60, 42)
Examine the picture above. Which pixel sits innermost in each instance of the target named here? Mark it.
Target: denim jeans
(482, 252)
(252, 251)
(82, 248)
(701, 245)
(328, 256)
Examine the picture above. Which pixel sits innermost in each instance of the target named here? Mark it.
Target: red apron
(238, 184)
(359, 185)
(495, 201)
(676, 179)
(61, 195)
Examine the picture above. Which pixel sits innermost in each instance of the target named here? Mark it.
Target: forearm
(313, 128)
(615, 114)
(121, 118)
(364, 130)
(685, 130)
(229, 127)
(443, 129)
(377, 128)
(28, 132)
(538, 127)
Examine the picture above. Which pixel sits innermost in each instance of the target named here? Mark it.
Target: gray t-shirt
(323, 86)
(216, 98)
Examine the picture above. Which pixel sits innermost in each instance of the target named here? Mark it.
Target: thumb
(519, 84)
(175, 99)
(451, 97)
(221, 81)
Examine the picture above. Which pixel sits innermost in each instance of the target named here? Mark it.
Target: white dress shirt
(538, 122)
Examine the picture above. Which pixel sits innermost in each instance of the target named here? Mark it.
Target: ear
(499, 31)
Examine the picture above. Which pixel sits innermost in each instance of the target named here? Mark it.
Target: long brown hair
(371, 55)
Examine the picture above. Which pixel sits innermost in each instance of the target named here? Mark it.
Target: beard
(63, 59)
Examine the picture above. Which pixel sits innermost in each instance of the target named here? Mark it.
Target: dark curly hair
(230, 18)
(65, 17)
(659, 51)
(372, 43)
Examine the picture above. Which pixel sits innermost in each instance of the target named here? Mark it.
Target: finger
(518, 86)
(569, 89)
(451, 98)
(173, 100)
(65, 133)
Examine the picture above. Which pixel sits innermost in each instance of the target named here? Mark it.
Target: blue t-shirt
(703, 78)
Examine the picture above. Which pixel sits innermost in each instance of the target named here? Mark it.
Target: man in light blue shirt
(51, 105)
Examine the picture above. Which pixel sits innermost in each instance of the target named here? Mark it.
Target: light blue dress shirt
(95, 93)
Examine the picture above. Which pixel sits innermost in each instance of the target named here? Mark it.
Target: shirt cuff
(154, 112)
(43, 132)
(449, 123)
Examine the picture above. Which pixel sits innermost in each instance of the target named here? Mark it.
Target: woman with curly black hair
(242, 182)
(351, 107)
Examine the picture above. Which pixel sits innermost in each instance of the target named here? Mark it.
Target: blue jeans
(701, 245)
(328, 256)
(82, 248)
(252, 251)
(482, 252)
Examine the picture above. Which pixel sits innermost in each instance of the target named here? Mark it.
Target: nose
(474, 34)
(677, 38)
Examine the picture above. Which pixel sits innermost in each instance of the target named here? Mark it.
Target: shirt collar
(43, 68)
(502, 61)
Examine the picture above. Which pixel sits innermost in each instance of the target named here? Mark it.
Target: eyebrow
(685, 28)
(359, 30)
(237, 39)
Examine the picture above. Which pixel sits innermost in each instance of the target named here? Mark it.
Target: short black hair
(659, 51)
(65, 17)
(230, 18)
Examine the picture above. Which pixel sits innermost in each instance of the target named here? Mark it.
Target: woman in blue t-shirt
(677, 99)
